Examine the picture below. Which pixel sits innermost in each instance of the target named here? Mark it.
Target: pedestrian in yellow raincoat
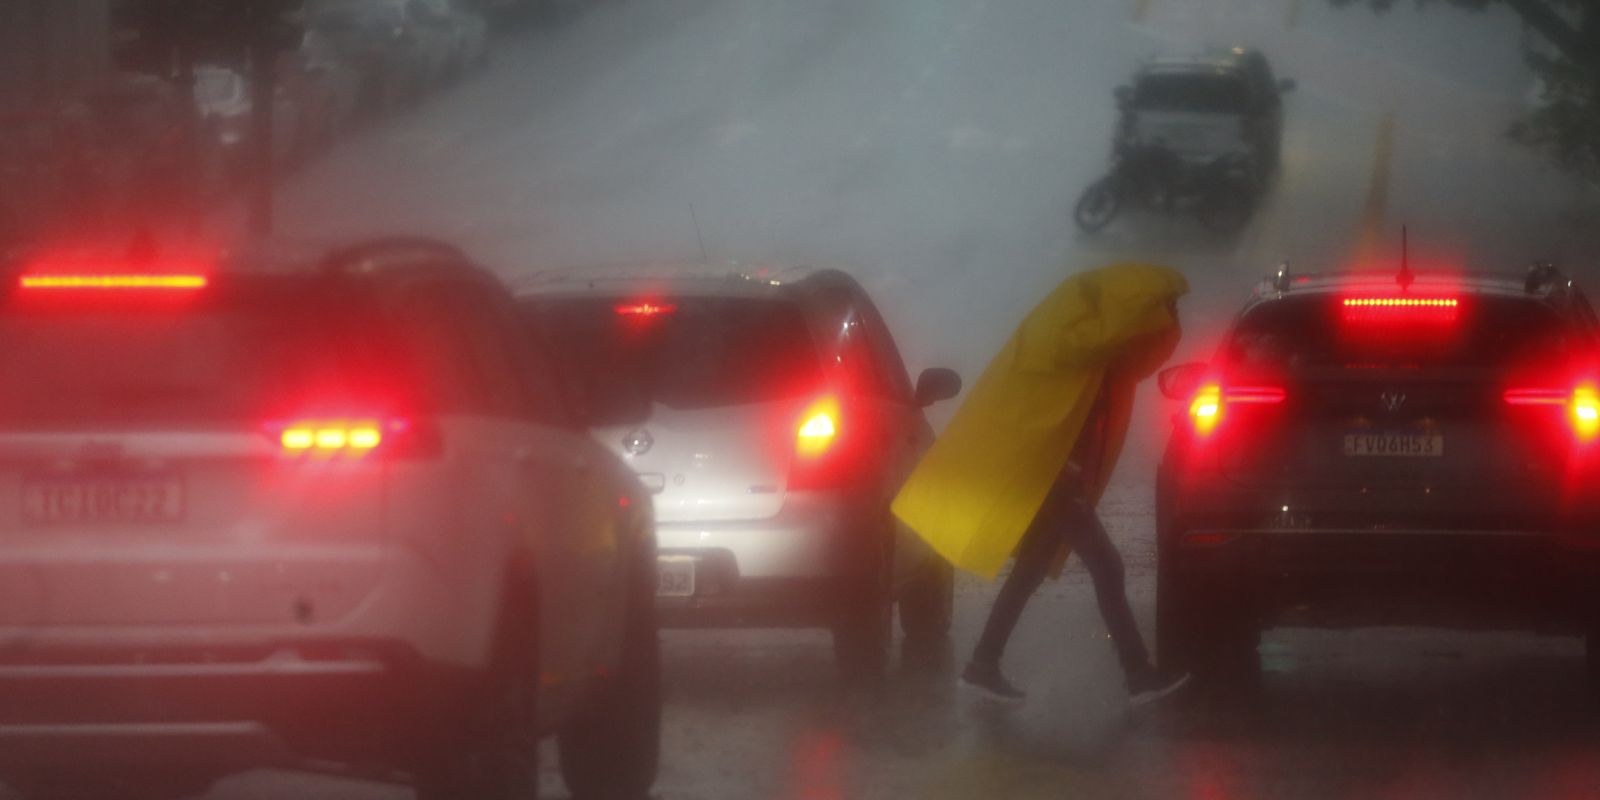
(1022, 464)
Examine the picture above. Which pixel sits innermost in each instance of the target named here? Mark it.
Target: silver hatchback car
(782, 423)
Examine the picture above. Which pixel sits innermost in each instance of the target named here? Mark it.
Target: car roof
(706, 278)
(1224, 61)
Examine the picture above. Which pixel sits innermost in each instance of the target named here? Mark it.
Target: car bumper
(1341, 578)
(795, 569)
(281, 704)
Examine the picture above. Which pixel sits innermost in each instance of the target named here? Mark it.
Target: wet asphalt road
(935, 147)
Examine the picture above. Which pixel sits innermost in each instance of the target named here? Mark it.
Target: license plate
(674, 576)
(65, 501)
(1402, 445)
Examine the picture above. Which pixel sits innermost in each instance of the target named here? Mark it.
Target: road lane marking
(1140, 9)
(1293, 19)
(1374, 215)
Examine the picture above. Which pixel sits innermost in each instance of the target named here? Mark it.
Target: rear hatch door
(728, 380)
(143, 477)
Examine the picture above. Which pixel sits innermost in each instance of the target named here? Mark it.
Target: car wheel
(612, 749)
(1591, 655)
(928, 604)
(497, 756)
(1205, 634)
(862, 632)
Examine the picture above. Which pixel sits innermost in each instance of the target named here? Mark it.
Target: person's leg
(1034, 555)
(1090, 542)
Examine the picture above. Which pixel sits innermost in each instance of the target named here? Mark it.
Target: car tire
(865, 625)
(861, 640)
(497, 756)
(1205, 633)
(927, 606)
(1591, 658)
(612, 749)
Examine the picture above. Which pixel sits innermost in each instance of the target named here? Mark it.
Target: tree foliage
(1564, 52)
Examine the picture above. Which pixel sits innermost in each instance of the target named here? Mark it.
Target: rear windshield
(1215, 94)
(696, 353)
(1481, 332)
(227, 363)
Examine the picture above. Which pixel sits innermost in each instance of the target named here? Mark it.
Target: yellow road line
(1293, 19)
(1374, 216)
(1140, 9)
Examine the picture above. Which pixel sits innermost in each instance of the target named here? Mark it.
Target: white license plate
(1401, 445)
(674, 576)
(64, 501)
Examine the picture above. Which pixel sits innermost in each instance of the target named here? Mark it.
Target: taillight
(823, 453)
(1210, 403)
(819, 424)
(113, 281)
(1206, 409)
(645, 309)
(354, 437)
(1582, 405)
(1400, 309)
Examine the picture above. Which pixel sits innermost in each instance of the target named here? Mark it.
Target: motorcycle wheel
(1098, 206)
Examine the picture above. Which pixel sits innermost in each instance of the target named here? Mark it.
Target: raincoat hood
(978, 488)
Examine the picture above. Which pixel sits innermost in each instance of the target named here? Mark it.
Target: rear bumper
(353, 702)
(760, 603)
(1345, 578)
(797, 569)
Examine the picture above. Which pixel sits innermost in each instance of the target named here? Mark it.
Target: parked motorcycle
(1221, 193)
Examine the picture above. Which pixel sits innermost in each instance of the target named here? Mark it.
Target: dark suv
(1367, 451)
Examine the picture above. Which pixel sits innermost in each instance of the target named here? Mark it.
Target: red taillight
(1582, 402)
(819, 424)
(825, 446)
(1401, 309)
(1210, 403)
(114, 281)
(352, 437)
(645, 309)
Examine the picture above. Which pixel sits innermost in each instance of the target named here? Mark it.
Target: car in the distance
(1366, 449)
(1219, 104)
(783, 424)
(292, 510)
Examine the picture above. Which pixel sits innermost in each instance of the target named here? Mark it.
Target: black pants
(1066, 517)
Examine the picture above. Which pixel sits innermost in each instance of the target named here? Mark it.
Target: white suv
(328, 510)
(783, 423)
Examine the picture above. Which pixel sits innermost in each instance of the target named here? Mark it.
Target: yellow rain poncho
(976, 491)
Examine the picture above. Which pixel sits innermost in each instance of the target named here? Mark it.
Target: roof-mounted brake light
(1400, 309)
(645, 309)
(113, 281)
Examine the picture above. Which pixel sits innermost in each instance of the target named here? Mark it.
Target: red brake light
(1398, 309)
(818, 427)
(1582, 402)
(1210, 402)
(114, 281)
(645, 309)
(1206, 409)
(351, 437)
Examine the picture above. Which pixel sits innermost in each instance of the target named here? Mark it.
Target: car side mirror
(1287, 85)
(1182, 381)
(1124, 95)
(937, 384)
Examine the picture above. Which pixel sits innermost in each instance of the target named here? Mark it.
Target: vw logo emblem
(1392, 400)
(638, 442)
